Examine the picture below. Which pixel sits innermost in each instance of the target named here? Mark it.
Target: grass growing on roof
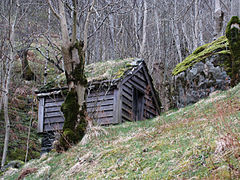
(219, 46)
(112, 69)
(179, 144)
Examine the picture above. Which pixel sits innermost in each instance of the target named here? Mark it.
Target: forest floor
(198, 141)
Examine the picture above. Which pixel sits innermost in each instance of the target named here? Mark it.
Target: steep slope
(200, 141)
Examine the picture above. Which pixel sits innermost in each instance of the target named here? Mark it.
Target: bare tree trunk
(8, 66)
(196, 25)
(176, 34)
(144, 32)
(186, 36)
(27, 73)
(218, 20)
(235, 8)
(158, 31)
(111, 25)
(7, 127)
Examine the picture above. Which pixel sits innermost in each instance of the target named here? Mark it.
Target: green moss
(227, 46)
(81, 127)
(70, 109)
(28, 74)
(77, 74)
(200, 49)
(17, 154)
(219, 46)
(75, 123)
(112, 69)
(70, 135)
(233, 35)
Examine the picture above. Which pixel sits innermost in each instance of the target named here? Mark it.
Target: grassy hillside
(199, 141)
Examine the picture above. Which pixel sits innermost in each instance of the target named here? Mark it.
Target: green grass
(179, 144)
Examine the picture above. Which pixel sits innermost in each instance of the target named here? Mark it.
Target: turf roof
(113, 69)
(106, 70)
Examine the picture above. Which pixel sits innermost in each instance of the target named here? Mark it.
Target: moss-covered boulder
(213, 66)
(200, 80)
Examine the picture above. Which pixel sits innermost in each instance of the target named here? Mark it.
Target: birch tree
(9, 53)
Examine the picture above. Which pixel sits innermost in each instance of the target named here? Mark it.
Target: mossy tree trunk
(74, 107)
(233, 35)
(73, 52)
(27, 73)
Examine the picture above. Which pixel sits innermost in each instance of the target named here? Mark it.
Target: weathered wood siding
(100, 107)
(53, 116)
(139, 81)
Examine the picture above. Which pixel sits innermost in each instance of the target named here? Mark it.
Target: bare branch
(85, 37)
(50, 60)
(52, 9)
(74, 35)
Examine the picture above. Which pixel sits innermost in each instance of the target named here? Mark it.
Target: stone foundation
(47, 142)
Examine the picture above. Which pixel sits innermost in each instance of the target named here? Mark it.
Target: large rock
(200, 80)
(213, 66)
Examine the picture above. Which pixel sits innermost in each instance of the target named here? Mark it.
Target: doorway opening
(138, 104)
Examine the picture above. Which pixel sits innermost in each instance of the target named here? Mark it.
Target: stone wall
(47, 142)
(200, 80)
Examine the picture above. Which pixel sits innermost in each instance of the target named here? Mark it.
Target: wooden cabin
(118, 91)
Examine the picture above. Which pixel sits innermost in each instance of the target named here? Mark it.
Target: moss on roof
(219, 46)
(112, 69)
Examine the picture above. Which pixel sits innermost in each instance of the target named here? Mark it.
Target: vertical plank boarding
(117, 104)
(40, 114)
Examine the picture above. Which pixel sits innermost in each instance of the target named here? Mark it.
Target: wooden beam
(117, 106)
(40, 114)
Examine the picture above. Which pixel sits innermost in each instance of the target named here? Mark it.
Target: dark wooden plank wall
(100, 106)
(139, 81)
(53, 117)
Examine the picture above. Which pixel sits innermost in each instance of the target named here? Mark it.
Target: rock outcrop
(213, 66)
(200, 80)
